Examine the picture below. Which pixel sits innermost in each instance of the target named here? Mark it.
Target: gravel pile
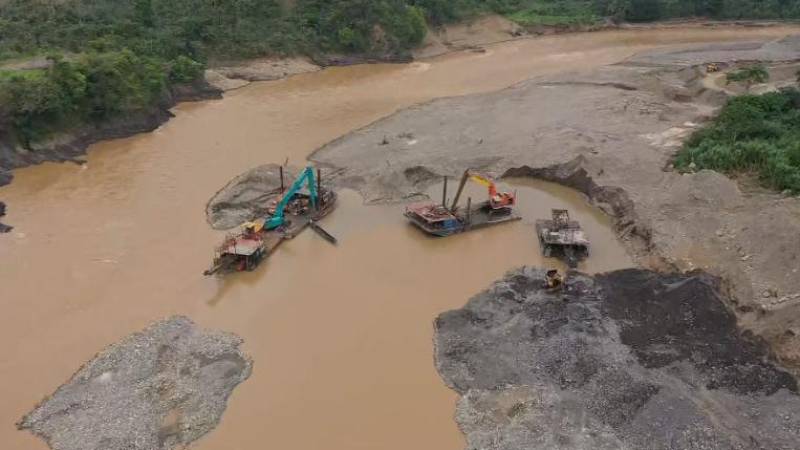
(164, 387)
(626, 360)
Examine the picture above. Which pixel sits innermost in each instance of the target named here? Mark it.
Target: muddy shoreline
(4, 228)
(473, 35)
(71, 146)
(615, 130)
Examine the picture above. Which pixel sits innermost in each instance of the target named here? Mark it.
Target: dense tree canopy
(241, 28)
(115, 57)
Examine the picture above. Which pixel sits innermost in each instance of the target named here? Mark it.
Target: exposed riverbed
(341, 337)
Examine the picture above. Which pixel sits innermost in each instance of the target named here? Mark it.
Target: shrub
(185, 70)
(752, 133)
(749, 75)
(97, 86)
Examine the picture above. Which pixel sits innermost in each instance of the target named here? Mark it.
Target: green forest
(116, 57)
(753, 133)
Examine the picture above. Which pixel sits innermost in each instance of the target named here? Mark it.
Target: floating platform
(245, 250)
(563, 238)
(437, 220)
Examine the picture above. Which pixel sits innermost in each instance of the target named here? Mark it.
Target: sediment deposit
(624, 360)
(164, 387)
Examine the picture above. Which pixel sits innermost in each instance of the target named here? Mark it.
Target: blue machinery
(307, 175)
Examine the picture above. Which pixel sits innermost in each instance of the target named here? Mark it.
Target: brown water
(341, 336)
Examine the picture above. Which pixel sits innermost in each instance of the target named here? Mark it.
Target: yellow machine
(252, 227)
(711, 68)
(553, 280)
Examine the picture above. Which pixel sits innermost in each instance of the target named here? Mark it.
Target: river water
(341, 337)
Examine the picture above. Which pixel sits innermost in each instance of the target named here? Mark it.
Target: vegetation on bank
(118, 57)
(749, 76)
(580, 12)
(91, 88)
(563, 13)
(753, 133)
(114, 58)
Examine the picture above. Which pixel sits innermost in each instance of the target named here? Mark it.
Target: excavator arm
(501, 200)
(480, 179)
(307, 176)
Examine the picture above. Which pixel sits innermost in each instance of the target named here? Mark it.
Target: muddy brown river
(341, 336)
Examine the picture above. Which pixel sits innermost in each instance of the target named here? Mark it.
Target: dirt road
(103, 249)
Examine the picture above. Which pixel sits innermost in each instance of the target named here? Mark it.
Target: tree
(144, 12)
(616, 9)
(644, 11)
(749, 75)
(71, 82)
(32, 101)
(185, 70)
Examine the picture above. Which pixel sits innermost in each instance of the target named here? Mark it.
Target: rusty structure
(562, 237)
(437, 219)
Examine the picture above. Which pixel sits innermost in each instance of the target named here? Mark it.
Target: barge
(563, 238)
(290, 214)
(438, 220)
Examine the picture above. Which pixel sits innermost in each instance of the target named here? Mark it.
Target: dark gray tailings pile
(164, 387)
(626, 360)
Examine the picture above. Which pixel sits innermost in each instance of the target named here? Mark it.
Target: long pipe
(469, 211)
(444, 193)
(460, 190)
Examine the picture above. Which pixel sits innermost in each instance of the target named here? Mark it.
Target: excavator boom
(496, 200)
(480, 179)
(307, 176)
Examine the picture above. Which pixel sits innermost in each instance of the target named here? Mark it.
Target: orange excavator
(497, 200)
(438, 219)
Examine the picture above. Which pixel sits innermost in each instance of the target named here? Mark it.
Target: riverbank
(4, 228)
(473, 35)
(123, 242)
(611, 133)
(70, 146)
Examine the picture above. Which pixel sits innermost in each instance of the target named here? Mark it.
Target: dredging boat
(438, 220)
(290, 214)
(563, 238)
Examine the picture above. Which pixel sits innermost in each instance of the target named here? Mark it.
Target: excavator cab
(502, 200)
(497, 200)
